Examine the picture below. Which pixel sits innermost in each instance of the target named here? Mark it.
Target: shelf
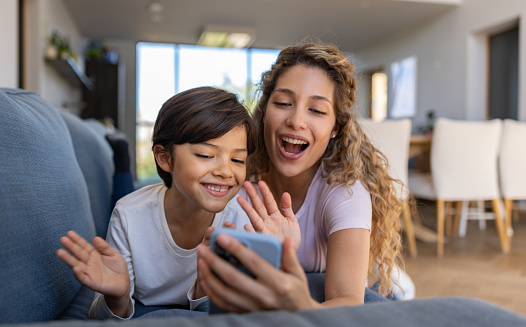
(71, 70)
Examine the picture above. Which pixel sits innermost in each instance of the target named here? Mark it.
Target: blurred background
(413, 58)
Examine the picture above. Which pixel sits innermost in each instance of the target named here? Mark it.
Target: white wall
(9, 43)
(42, 17)
(451, 56)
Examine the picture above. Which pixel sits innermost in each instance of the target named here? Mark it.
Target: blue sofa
(57, 174)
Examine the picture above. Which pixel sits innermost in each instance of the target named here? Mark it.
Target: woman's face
(299, 120)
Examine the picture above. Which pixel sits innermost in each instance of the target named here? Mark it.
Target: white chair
(512, 166)
(463, 168)
(392, 137)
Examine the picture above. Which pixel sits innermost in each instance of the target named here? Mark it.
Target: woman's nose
(297, 119)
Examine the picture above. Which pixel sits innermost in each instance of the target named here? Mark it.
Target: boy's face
(210, 174)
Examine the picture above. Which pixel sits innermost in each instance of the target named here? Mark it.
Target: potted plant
(427, 129)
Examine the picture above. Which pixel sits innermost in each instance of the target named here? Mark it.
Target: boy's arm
(99, 267)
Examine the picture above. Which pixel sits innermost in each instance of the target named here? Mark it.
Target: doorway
(504, 74)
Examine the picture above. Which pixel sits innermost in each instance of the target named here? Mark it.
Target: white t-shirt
(161, 273)
(327, 209)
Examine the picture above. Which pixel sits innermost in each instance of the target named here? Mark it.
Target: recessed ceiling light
(226, 36)
(156, 11)
(155, 7)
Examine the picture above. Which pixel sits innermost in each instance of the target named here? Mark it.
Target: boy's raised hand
(99, 267)
(266, 217)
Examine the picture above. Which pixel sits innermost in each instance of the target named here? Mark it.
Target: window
(403, 100)
(166, 69)
(378, 96)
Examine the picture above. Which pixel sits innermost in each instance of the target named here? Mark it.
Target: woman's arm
(347, 266)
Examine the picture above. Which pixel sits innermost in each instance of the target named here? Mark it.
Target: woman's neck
(187, 222)
(297, 186)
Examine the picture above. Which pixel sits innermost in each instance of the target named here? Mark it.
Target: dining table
(419, 152)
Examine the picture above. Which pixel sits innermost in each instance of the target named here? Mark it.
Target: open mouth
(293, 146)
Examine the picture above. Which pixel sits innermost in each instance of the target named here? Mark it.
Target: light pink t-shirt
(327, 209)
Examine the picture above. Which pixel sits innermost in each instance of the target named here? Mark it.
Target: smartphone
(266, 246)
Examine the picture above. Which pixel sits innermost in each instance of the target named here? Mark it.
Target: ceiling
(351, 24)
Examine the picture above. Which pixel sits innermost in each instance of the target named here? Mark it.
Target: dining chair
(391, 137)
(512, 166)
(464, 156)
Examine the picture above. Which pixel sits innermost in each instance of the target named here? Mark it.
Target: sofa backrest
(95, 158)
(43, 194)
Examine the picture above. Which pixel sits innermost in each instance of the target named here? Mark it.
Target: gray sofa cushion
(437, 312)
(43, 194)
(95, 158)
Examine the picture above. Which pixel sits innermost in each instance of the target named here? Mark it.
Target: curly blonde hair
(349, 156)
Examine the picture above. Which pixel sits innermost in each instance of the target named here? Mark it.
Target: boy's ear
(163, 158)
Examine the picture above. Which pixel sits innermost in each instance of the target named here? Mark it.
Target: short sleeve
(344, 209)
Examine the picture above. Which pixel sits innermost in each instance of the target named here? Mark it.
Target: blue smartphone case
(266, 246)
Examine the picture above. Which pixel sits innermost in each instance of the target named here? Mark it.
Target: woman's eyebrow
(319, 97)
(313, 97)
(287, 91)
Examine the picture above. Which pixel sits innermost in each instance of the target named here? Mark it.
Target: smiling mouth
(292, 146)
(217, 188)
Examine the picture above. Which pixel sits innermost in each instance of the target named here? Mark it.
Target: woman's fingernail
(223, 239)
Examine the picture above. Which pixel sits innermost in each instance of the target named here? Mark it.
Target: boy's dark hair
(198, 115)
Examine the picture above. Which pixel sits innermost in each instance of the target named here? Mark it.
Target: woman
(338, 203)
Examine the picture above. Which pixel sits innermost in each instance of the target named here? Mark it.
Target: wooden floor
(472, 266)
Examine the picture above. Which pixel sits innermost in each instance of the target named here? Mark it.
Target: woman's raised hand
(99, 267)
(266, 217)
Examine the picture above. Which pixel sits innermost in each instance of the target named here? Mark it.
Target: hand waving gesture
(99, 267)
(267, 218)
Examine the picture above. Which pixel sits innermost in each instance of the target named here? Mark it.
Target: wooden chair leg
(503, 235)
(440, 228)
(508, 205)
(456, 223)
(449, 224)
(409, 229)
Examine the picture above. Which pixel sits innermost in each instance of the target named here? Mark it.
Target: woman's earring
(333, 135)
